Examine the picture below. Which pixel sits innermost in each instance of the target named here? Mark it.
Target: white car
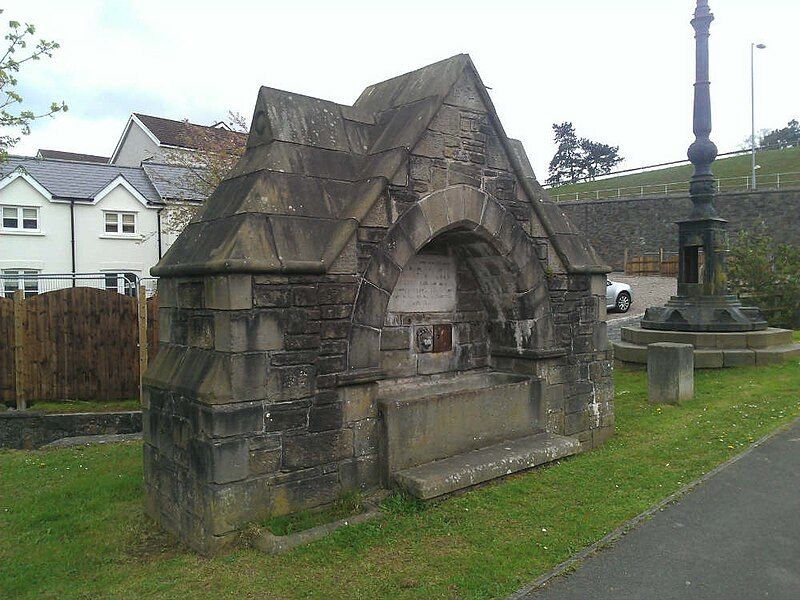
(618, 296)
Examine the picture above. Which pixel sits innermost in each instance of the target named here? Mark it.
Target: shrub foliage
(767, 274)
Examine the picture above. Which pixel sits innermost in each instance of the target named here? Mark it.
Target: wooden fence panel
(669, 268)
(652, 264)
(80, 343)
(7, 393)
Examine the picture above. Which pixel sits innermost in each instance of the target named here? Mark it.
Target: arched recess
(527, 325)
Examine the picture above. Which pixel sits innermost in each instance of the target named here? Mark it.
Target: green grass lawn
(770, 161)
(75, 406)
(71, 522)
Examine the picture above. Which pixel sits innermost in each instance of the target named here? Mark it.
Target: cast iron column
(702, 303)
(703, 151)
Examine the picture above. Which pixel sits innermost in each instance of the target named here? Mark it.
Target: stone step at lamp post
(703, 313)
(377, 295)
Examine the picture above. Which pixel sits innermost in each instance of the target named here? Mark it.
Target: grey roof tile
(174, 182)
(75, 180)
(78, 156)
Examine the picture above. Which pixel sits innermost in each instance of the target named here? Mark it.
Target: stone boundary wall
(26, 430)
(647, 224)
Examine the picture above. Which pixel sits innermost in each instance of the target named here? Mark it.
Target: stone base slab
(478, 466)
(278, 544)
(712, 350)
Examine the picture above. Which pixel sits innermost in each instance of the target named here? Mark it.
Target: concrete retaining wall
(648, 224)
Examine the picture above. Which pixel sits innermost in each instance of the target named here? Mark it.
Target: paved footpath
(735, 536)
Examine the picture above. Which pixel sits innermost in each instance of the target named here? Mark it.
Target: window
(120, 223)
(20, 218)
(15, 279)
(122, 283)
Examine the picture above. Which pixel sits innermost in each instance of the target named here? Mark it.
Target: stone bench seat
(457, 472)
(448, 433)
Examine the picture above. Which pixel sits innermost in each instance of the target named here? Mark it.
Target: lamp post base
(704, 313)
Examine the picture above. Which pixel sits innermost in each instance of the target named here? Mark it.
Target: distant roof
(173, 182)
(73, 180)
(77, 156)
(190, 135)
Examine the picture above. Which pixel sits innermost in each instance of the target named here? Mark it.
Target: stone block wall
(648, 224)
(243, 415)
(578, 388)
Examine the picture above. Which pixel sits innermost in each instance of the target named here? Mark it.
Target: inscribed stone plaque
(427, 284)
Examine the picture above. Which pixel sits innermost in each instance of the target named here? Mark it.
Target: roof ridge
(282, 91)
(187, 122)
(72, 162)
(71, 152)
(460, 55)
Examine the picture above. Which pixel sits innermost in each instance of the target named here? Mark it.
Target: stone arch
(526, 328)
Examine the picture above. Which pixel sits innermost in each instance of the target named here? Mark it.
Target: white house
(65, 217)
(159, 140)
(66, 213)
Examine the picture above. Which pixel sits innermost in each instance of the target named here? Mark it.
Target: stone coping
(27, 414)
(28, 430)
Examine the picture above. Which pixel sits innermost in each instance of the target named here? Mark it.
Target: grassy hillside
(732, 173)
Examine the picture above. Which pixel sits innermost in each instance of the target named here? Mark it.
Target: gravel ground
(647, 291)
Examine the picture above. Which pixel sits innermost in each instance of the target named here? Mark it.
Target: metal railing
(39, 283)
(725, 184)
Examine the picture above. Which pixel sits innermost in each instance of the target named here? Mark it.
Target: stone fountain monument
(377, 295)
(723, 332)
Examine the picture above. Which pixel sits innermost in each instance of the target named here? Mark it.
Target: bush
(766, 274)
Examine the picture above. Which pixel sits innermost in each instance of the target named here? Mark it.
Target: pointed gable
(314, 169)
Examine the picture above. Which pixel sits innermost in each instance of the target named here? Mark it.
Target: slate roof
(189, 135)
(72, 180)
(62, 155)
(174, 182)
(313, 169)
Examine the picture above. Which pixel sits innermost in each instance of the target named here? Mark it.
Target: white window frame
(120, 214)
(20, 273)
(122, 284)
(20, 229)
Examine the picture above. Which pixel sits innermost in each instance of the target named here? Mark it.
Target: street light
(753, 47)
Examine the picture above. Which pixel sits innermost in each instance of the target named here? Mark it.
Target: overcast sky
(620, 70)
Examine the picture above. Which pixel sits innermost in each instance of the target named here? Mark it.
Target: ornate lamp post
(703, 302)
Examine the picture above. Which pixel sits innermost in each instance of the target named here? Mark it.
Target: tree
(787, 137)
(14, 121)
(747, 143)
(213, 152)
(577, 159)
(565, 166)
(766, 273)
(598, 158)
(218, 150)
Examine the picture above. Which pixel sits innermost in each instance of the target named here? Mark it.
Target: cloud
(621, 70)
